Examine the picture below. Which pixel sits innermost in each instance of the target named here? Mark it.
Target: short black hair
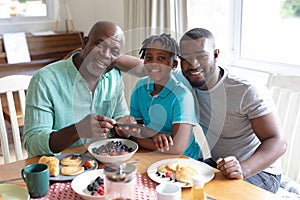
(169, 44)
(196, 33)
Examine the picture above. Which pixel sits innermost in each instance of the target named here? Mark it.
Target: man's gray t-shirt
(224, 112)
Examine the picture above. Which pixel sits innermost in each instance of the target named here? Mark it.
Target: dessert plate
(204, 170)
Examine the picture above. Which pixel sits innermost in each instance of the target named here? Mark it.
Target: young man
(237, 116)
(77, 100)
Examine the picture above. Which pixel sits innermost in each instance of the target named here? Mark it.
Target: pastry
(184, 173)
(53, 164)
(172, 166)
(72, 170)
(162, 168)
(71, 160)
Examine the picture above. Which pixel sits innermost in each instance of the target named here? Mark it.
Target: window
(271, 33)
(17, 10)
(253, 34)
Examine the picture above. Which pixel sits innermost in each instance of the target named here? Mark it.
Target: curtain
(143, 18)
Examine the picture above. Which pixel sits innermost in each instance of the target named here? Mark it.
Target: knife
(130, 125)
(12, 179)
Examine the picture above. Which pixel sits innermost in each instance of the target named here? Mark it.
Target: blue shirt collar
(171, 84)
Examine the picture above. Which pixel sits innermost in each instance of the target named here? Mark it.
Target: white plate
(13, 192)
(80, 183)
(205, 170)
(61, 177)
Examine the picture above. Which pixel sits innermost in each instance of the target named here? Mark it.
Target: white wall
(84, 13)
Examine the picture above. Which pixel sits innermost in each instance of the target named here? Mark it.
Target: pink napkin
(145, 190)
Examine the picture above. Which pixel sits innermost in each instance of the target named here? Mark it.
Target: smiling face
(198, 62)
(159, 62)
(102, 47)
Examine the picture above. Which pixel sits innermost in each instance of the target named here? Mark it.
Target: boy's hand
(162, 141)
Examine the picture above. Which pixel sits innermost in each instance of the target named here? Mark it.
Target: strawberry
(168, 174)
(123, 153)
(100, 190)
(88, 164)
(113, 153)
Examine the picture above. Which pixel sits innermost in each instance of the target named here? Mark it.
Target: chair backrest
(8, 86)
(286, 94)
(201, 139)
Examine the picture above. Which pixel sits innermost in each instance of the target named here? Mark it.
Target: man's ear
(175, 63)
(85, 40)
(216, 53)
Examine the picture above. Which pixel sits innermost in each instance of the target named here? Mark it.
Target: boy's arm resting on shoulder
(131, 65)
(272, 146)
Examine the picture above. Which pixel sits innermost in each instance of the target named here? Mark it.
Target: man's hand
(162, 141)
(93, 126)
(230, 167)
(126, 131)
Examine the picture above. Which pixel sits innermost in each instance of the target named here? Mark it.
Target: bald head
(100, 49)
(109, 29)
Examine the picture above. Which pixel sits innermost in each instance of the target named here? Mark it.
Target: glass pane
(22, 8)
(216, 17)
(270, 30)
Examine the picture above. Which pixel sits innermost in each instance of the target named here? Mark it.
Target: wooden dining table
(218, 188)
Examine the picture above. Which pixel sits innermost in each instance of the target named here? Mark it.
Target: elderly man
(77, 100)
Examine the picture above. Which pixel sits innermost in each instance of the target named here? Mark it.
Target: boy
(163, 104)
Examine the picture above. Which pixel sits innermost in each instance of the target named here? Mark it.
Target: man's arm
(40, 138)
(272, 146)
(131, 65)
(92, 126)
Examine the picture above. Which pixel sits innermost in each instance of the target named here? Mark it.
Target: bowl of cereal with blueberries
(113, 150)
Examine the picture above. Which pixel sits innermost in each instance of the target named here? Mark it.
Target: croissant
(53, 164)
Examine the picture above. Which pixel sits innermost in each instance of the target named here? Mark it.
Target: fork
(76, 155)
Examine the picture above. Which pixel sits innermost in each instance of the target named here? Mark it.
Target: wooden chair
(10, 85)
(286, 94)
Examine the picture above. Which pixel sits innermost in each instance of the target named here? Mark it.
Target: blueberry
(90, 187)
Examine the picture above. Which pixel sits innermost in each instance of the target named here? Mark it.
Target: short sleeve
(134, 102)
(257, 101)
(184, 109)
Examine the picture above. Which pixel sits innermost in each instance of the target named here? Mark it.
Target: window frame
(251, 64)
(50, 15)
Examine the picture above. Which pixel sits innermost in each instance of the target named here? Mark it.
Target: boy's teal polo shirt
(174, 104)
